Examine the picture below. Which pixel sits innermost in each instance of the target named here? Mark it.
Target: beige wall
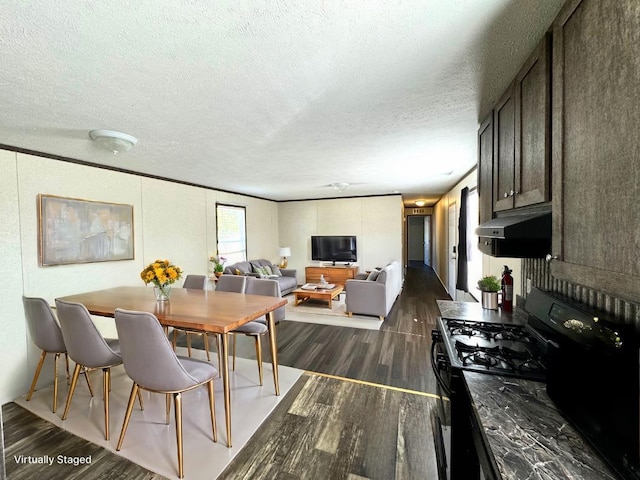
(490, 265)
(170, 221)
(377, 223)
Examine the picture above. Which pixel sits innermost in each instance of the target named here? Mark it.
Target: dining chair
(257, 328)
(89, 349)
(195, 282)
(151, 363)
(46, 334)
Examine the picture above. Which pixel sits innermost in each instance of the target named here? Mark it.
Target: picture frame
(73, 230)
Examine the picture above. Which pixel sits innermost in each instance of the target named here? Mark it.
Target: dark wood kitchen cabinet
(596, 146)
(485, 178)
(521, 175)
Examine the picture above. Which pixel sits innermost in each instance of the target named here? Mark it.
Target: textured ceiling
(276, 99)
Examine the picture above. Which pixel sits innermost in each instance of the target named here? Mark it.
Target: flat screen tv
(334, 248)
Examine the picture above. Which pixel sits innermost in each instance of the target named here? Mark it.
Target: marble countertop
(474, 311)
(527, 435)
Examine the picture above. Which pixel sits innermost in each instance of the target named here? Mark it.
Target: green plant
(489, 283)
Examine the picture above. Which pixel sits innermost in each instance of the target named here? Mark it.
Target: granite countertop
(474, 311)
(527, 436)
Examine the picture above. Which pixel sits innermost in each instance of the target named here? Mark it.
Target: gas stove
(494, 348)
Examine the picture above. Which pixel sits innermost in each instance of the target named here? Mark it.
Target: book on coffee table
(318, 286)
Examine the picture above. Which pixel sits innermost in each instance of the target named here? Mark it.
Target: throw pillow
(238, 272)
(373, 275)
(267, 269)
(276, 271)
(261, 271)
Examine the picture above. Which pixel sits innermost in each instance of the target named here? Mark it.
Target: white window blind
(231, 231)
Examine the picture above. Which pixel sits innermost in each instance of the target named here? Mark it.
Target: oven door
(441, 415)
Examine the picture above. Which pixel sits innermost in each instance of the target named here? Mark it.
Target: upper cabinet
(596, 146)
(522, 136)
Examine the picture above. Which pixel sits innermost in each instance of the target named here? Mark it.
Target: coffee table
(302, 295)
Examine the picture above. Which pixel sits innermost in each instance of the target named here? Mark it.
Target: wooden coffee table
(302, 295)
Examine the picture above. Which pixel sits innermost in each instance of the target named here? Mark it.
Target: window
(474, 256)
(231, 232)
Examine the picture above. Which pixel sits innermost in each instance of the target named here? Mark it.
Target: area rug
(316, 311)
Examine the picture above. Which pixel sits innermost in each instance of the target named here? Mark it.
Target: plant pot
(162, 293)
(217, 274)
(490, 300)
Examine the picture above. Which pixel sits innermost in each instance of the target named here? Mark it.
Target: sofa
(286, 278)
(374, 293)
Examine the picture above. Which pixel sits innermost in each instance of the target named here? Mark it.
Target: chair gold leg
(212, 408)
(188, 344)
(273, 346)
(168, 408)
(86, 377)
(127, 416)
(72, 388)
(175, 339)
(206, 346)
(55, 382)
(36, 375)
(177, 398)
(219, 355)
(140, 400)
(234, 352)
(66, 359)
(259, 356)
(106, 383)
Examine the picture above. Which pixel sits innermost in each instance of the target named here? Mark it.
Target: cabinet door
(532, 127)
(485, 178)
(504, 152)
(596, 146)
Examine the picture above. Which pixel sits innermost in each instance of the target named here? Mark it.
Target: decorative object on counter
(489, 285)
(284, 252)
(162, 273)
(507, 290)
(218, 265)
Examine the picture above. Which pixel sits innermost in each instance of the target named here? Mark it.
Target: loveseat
(286, 278)
(375, 293)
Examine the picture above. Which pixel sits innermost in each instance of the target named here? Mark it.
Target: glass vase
(162, 292)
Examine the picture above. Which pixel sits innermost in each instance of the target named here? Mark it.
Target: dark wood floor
(361, 411)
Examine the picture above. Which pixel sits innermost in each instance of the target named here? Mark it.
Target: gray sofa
(287, 278)
(375, 294)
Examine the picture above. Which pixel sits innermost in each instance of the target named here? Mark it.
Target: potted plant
(489, 285)
(218, 265)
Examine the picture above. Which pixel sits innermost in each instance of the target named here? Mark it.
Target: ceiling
(276, 99)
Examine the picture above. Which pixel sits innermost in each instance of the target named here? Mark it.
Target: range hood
(525, 226)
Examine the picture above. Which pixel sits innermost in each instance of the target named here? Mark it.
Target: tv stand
(332, 274)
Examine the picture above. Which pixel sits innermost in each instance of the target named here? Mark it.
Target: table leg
(274, 350)
(225, 383)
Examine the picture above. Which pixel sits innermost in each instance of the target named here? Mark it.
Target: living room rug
(316, 311)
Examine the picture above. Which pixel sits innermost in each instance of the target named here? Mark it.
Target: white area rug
(151, 443)
(316, 311)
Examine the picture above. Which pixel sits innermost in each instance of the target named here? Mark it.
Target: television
(334, 248)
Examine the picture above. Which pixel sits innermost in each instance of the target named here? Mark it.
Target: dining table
(206, 311)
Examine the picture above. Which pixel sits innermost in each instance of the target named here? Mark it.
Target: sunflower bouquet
(162, 273)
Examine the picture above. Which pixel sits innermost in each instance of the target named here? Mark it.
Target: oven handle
(436, 371)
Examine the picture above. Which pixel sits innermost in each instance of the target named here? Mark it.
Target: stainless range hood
(519, 235)
(519, 226)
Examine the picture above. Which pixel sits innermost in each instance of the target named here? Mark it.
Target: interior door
(416, 238)
(452, 241)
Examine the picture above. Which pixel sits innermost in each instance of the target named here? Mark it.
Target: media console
(337, 275)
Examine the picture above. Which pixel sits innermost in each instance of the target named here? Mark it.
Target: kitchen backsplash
(536, 270)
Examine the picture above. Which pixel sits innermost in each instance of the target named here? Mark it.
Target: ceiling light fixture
(420, 203)
(340, 186)
(115, 142)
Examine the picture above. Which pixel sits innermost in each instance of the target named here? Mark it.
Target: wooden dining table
(205, 311)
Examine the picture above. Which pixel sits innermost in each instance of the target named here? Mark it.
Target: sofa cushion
(276, 270)
(382, 276)
(373, 275)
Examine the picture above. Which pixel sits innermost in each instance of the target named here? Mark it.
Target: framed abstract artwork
(72, 230)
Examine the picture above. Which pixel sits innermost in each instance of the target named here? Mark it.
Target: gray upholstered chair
(231, 283)
(89, 349)
(256, 328)
(196, 282)
(152, 364)
(45, 333)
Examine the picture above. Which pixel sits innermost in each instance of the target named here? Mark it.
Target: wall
(170, 221)
(490, 265)
(377, 223)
